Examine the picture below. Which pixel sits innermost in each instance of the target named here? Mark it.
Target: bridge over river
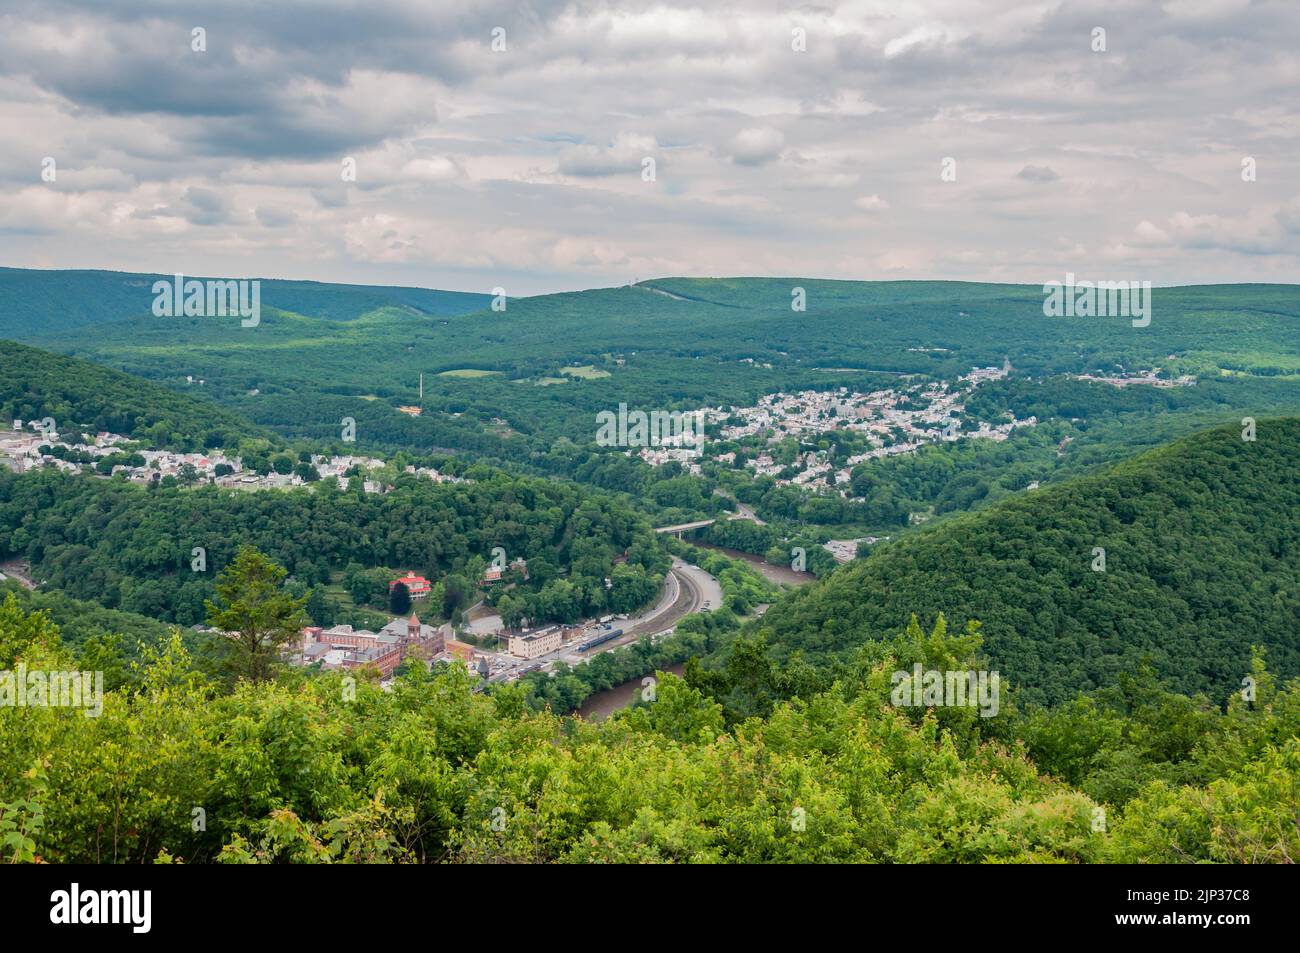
(682, 528)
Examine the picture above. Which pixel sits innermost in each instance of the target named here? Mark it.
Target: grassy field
(586, 372)
(468, 372)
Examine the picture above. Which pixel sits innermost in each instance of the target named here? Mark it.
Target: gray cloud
(621, 157)
(523, 168)
(756, 145)
(1037, 173)
(276, 217)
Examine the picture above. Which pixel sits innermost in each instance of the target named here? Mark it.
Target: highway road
(687, 589)
(697, 592)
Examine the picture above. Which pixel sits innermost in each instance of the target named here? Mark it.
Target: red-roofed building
(417, 586)
(494, 574)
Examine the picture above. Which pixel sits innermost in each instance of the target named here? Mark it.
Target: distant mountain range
(514, 383)
(34, 301)
(84, 397)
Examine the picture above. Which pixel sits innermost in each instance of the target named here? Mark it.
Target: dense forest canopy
(314, 359)
(130, 546)
(1123, 603)
(1201, 545)
(313, 770)
(84, 398)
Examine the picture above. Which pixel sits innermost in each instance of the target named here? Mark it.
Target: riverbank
(601, 705)
(780, 575)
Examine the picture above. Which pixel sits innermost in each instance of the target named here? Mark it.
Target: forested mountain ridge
(129, 546)
(1201, 560)
(81, 396)
(1201, 543)
(524, 385)
(516, 382)
(60, 302)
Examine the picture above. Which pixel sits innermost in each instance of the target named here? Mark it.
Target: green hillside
(1201, 539)
(57, 302)
(333, 769)
(79, 395)
(683, 343)
(501, 386)
(128, 546)
(1202, 561)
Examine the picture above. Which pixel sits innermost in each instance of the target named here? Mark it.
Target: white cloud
(1147, 234)
(624, 155)
(756, 146)
(435, 169)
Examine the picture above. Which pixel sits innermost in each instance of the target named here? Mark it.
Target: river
(781, 575)
(601, 705)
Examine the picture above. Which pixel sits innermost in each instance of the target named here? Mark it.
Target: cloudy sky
(523, 167)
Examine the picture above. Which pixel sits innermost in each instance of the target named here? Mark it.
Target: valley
(904, 475)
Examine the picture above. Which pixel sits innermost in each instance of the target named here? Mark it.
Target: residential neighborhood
(1148, 378)
(895, 421)
(34, 445)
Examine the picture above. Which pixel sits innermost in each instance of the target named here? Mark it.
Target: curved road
(697, 591)
(687, 589)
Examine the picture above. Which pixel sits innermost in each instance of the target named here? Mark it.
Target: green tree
(399, 600)
(260, 617)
